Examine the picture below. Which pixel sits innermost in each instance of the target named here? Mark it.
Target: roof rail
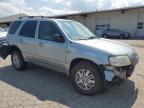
(33, 17)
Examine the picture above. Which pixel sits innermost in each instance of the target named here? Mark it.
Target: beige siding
(126, 20)
(140, 32)
(92, 18)
(77, 18)
(11, 18)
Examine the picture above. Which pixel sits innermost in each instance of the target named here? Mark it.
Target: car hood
(109, 46)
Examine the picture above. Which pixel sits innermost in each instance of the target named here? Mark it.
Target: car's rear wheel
(86, 78)
(18, 61)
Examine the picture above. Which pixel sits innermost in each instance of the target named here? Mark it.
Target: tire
(18, 61)
(96, 88)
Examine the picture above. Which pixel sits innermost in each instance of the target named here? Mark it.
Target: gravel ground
(38, 87)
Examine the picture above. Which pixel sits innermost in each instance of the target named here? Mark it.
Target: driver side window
(47, 30)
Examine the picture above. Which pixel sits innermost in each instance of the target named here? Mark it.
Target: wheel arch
(77, 60)
(22, 64)
(7, 50)
(13, 47)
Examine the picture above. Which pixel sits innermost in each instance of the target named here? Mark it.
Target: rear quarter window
(13, 28)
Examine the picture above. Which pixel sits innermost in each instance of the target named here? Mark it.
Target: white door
(102, 24)
(140, 25)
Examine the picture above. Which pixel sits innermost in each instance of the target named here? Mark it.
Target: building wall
(6, 21)
(78, 18)
(140, 24)
(124, 20)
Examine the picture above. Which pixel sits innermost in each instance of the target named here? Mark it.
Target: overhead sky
(56, 7)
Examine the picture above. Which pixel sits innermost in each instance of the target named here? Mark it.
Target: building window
(102, 26)
(140, 25)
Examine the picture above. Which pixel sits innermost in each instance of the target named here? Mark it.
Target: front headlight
(119, 60)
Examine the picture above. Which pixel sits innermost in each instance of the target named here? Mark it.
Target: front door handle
(40, 44)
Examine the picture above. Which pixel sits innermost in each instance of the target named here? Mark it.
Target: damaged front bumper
(120, 72)
(112, 72)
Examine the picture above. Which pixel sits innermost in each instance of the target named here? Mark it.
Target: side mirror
(58, 38)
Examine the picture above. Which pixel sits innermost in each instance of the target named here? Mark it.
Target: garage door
(140, 25)
(102, 24)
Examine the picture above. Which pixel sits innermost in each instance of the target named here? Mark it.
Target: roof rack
(33, 17)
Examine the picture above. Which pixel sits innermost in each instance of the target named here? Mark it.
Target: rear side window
(28, 29)
(15, 25)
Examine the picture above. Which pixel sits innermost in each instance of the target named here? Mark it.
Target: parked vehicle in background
(3, 29)
(115, 33)
(3, 32)
(69, 47)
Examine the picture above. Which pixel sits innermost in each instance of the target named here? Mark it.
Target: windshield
(75, 30)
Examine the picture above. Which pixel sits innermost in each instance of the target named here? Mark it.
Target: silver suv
(69, 47)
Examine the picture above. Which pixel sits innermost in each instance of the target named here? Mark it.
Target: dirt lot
(38, 87)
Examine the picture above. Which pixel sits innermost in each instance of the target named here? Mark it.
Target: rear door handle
(41, 44)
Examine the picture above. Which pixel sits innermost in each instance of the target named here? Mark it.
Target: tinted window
(140, 25)
(14, 27)
(47, 30)
(28, 29)
(97, 25)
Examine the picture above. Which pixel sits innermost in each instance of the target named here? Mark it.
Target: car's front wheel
(18, 61)
(86, 78)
